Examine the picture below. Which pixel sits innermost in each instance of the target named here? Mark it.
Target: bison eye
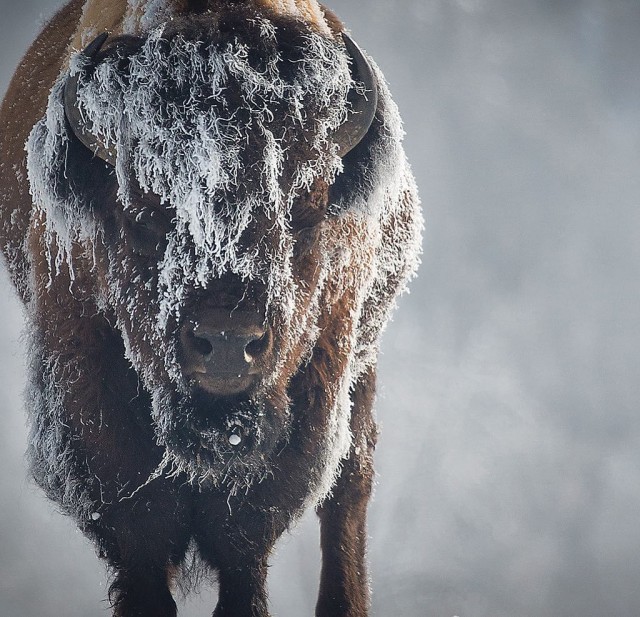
(146, 231)
(306, 242)
(310, 209)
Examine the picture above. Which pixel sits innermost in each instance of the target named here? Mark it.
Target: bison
(208, 226)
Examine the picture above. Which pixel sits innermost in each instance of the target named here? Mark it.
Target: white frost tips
(192, 156)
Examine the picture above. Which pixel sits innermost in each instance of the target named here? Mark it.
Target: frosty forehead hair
(225, 124)
(215, 127)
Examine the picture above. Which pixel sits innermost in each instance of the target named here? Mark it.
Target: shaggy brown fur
(107, 465)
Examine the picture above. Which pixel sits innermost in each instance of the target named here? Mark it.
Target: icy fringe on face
(194, 159)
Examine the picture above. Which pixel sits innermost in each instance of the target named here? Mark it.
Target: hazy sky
(509, 459)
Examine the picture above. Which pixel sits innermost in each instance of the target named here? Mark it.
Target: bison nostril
(201, 345)
(255, 348)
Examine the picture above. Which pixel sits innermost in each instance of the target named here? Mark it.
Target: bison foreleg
(142, 594)
(237, 546)
(143, 539)
(242, 592)
(344, 584)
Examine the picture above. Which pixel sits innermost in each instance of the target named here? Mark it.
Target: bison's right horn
(363, 104)
(73, 113)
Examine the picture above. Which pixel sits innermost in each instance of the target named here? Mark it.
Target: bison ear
(363, 100)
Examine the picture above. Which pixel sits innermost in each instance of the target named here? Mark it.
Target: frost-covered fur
(222, 125)
(193, 155)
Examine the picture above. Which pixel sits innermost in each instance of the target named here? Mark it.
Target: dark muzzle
(224, 352)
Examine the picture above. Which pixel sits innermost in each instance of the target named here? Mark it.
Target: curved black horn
(363, 104)
(72, 111)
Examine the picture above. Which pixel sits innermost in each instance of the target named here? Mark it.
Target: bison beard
(229, 210)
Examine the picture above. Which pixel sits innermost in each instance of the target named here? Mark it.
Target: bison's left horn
(363, 102)
(73, 113)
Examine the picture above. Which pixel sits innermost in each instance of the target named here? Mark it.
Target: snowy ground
(509, 462)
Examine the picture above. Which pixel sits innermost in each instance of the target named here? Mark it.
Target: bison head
(202, 178)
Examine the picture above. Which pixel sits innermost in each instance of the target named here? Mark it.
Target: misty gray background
(509, 459)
